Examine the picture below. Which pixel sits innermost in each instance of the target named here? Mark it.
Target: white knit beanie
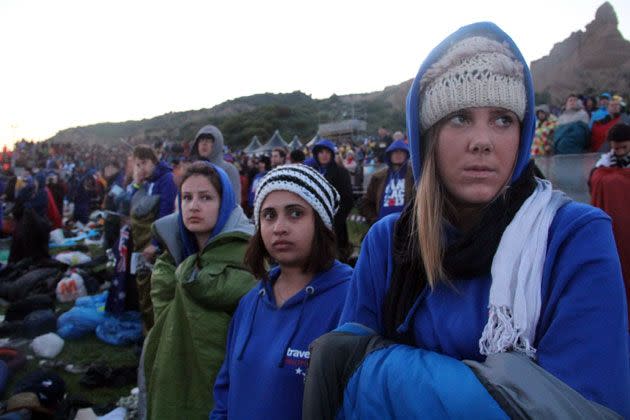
(304, 181)
(474, 72)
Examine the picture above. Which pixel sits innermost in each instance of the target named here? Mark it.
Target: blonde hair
(429, 212)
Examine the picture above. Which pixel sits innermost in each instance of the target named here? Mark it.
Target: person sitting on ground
(208, 146)
(545, 125)
(602, 109)
(489, 280)
(571, 134)
(196, 285)
(390, 188)
(295, 302)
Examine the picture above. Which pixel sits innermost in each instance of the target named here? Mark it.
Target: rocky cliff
(590, 61)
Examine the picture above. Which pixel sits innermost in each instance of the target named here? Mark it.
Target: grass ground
(90, 350)
(84, 352)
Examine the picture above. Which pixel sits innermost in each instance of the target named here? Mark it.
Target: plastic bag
(120, 330)
(88, 312)
(73, 257)
(70, 288)
(47, 345)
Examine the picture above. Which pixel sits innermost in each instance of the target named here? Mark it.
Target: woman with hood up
(295, 302)
(209, 146)
(490, 282)
(196, 285)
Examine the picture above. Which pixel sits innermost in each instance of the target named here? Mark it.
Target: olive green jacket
(193, 303)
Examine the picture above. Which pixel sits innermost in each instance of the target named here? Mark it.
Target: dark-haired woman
(492, 295)
(297, 301)
(195, 288)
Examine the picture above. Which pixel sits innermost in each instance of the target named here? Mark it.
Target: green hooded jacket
(193, 302)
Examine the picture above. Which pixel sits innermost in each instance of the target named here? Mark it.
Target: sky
(69, 63)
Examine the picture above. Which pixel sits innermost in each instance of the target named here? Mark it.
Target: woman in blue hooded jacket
(486, 262)
(297, 301)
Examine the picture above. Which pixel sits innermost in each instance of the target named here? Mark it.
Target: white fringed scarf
(517, 268)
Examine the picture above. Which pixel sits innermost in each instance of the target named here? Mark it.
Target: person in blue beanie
(295, 302)
(488, 270)
(390, 188)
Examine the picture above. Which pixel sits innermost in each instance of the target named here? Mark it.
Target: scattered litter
(70, 288)
(120, 330)
(73, 257)
(57, 237)
(119, 413)
(88, 312)
(47, 345)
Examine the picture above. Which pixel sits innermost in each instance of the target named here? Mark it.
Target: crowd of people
(580, 126)
(475, 275)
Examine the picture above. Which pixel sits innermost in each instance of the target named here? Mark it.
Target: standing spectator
(609, 185)
(153, 197)
(602, 126)
(278, 157)
(571, 134)
(87, 195)
(263, 166)
(390, 188)
(295, 302)
(196, 286)
(545, 124)
(382, 143)
(324, 153)
(490, 269)
(209, 146)
(297, 156)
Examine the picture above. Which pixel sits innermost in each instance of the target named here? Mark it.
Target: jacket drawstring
(309, 291)
(261, 293)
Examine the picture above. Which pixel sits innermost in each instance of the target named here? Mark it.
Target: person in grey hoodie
(209, 146)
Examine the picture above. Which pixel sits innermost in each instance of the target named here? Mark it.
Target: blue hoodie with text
(393, 199)
(267, 354)
(582, 333)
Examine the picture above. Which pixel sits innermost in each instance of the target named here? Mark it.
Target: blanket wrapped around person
(355, 374)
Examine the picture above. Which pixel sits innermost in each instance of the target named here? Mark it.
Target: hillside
(240, 119)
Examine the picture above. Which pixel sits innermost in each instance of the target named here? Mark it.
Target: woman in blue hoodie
(297, 301)
(487, 265)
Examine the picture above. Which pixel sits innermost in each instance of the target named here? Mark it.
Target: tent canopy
(295, 143)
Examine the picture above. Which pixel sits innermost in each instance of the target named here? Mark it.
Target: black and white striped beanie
(304, 181)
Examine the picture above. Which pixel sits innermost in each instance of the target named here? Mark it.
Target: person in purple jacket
(487, 259)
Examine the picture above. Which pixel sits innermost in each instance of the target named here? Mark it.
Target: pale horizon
(69, 63)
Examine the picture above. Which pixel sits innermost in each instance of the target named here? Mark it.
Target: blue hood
(397, 145)
(324, 143)
(160, 169)
(228, 203)
(413, 98)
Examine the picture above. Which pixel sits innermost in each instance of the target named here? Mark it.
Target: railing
(569, 173)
